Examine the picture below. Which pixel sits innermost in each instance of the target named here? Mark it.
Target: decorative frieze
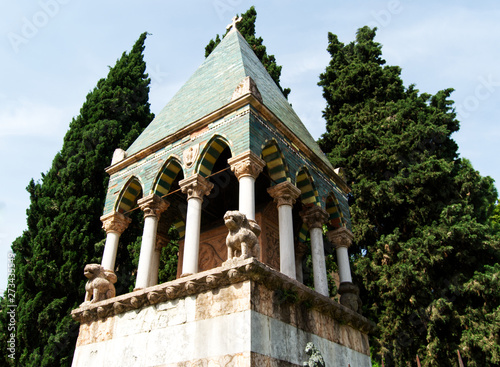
(153, 205)
(196, 186)
(115, 222)
(284, 193)
(218, 278)
(246, 164)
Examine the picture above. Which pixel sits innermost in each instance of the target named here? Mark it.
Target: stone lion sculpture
(242, 236)
(100, 284)
(315, 357)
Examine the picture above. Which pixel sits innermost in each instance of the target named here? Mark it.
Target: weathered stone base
(260, 319)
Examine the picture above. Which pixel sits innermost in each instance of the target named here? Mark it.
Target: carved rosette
(115, 222)
(196, 186)
(153, 205)
(284, 193)
(247, 164)
(314, 217)
(341, 237)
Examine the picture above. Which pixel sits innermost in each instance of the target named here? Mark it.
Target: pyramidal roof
(211, 87)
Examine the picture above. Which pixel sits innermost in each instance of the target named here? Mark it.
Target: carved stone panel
(269, 238)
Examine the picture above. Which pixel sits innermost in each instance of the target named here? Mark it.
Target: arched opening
(171, 227)
(129, 246)
(213, 165)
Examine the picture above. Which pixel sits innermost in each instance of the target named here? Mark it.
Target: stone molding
(153, 205)
(246, 164)
(314, 217)
(196, 186)
(245, 270)
(284, 193)
(115, 222)
(247, 86)
(341, 237)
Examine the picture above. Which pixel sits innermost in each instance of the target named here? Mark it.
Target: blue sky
(54, 52)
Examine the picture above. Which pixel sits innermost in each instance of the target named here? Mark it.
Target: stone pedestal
(245, 315)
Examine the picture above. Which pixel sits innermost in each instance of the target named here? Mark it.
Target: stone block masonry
(244, 315)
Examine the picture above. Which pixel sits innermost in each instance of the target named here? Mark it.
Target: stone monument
(229, 164)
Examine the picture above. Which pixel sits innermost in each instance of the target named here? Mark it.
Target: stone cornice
(115, 222)
(246, 164)
(314, 217)
(284, 193)
(341, 237)
(196, 186)
(245, 270)
(220, 113)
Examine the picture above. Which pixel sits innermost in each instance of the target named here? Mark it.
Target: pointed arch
(167, 176)
(210, 154)
(335, 216)
(308, 192)
(131, 192)
(275, 162)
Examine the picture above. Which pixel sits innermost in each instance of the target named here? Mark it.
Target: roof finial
(232, 26)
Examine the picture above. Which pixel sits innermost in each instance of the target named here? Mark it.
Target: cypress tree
(247, 29)
(424, 253)
(63, 217)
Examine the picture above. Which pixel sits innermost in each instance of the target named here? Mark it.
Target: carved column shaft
(195, 187)
(247, 167)
(152, 206)
(114, 224)
(285, 194)
(314, 218)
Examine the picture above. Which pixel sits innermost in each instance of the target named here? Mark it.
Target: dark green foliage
(425, 255)
(247, 29)
(63, 218)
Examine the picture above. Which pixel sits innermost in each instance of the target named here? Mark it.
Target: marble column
(247, 167)
(285, 194)
(314, 218)
(195, 187)
(341, 239)
(114, 224)
(152, 206)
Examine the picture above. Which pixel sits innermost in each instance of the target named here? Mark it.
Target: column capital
(341, 237)
(314, 217)
(153, 205)
(196, 186)
(284, 193)
(247, 164)
(115, 222)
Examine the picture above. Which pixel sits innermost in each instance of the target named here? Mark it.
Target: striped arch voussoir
(167, 177)
(210, 155)
(335, 217)
(128, 198)
(275, 162)
(308, 192)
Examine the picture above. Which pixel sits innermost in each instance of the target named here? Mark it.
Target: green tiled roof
(211, 87)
